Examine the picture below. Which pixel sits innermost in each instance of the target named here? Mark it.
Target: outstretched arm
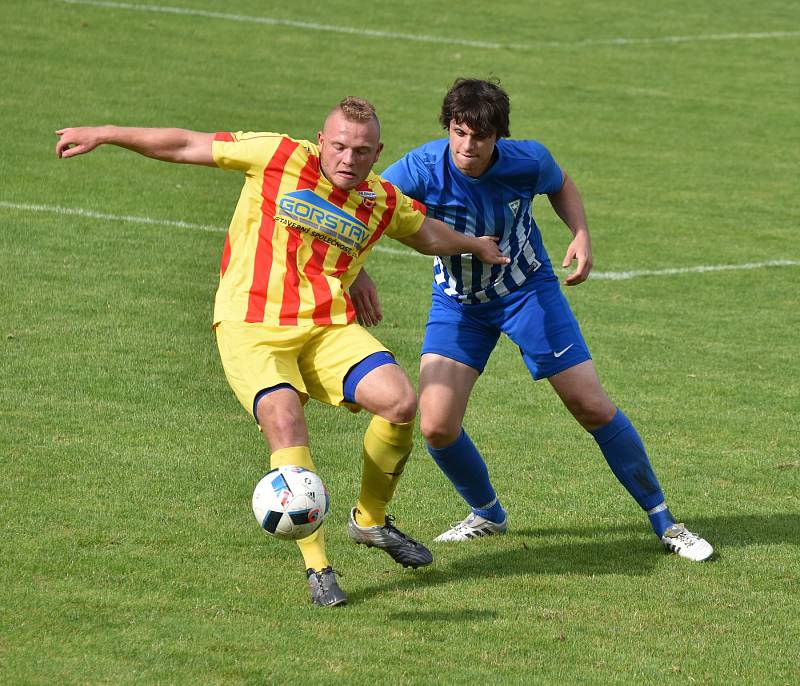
(437, 238)
(169, 145)
(569, 207)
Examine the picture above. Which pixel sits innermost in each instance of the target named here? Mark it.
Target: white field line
(91, 214)
(605, 276)
(700, 269)
(423, 38)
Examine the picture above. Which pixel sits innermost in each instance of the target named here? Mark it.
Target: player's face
(348, 149)
(471, 152)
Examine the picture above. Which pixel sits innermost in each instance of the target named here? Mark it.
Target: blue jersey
(498, 203)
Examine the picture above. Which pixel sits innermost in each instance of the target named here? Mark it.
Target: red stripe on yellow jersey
(264, 255)
(226, 256)
(388, 215)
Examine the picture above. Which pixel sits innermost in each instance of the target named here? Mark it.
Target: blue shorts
(536, 317)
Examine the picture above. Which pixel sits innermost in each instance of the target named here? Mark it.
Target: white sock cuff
(657, 509)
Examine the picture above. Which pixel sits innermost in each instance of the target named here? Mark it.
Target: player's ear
(378, 152)
(319, 137)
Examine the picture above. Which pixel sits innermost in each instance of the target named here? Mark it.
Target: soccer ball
(290, 502)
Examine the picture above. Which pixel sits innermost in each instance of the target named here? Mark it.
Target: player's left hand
(364, 295)
(579, 249)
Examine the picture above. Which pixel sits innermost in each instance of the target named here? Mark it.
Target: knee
(438, 431)
(592, 413)
(276, 419)
(404, 410)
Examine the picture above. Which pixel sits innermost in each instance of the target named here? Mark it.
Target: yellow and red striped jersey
(295, 241)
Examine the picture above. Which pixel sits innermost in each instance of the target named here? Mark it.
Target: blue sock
(623, 449)
(492, 511)
(660, 518)
(463, 465)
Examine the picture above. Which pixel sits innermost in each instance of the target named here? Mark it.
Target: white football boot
(679, 540)
(474, 526)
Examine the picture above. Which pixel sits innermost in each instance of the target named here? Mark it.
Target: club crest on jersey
(306, 211)
(368, 198)
(514, 206)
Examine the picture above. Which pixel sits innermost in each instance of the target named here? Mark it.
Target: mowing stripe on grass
(605, 276)
(423, 38)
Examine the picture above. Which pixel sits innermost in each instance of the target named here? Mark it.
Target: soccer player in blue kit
(482, 183)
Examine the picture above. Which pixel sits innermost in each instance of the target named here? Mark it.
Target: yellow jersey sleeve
(407, 217)
(244, 151)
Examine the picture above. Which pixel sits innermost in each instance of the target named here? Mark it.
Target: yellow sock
(312, 547)
(386, 449)
(313, 550)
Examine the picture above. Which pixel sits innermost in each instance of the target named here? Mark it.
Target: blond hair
(357, 109)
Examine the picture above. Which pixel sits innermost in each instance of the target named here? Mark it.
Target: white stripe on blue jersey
(498, 203)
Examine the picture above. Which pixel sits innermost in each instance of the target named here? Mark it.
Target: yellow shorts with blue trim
(314, 360)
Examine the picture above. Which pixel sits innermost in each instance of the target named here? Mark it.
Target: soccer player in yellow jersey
(305, 222)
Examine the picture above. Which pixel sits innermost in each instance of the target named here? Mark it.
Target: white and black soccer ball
(290, 502)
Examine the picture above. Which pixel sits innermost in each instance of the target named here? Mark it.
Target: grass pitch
(130, 555)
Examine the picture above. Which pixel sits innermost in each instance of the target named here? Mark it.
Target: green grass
(129, 552)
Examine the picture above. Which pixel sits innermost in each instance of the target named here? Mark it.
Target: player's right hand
(77, 141)
(488, 251)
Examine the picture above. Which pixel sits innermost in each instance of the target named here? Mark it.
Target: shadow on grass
(724, 531)
(632, 555)
(621, 550)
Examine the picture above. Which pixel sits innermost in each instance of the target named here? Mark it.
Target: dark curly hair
(482, 105)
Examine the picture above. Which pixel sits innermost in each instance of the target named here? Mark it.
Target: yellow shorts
(313, 359)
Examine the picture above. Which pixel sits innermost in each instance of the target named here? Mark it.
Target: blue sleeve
(409, 174)
(550, 178)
